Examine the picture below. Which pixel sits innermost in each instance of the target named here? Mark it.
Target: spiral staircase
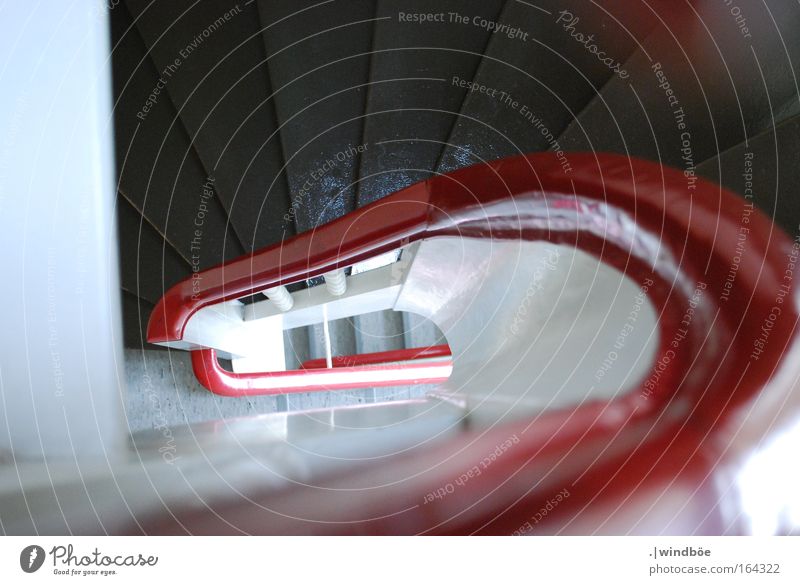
(241, 125)
(270, 119)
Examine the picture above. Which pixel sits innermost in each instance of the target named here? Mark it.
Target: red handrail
(367, 232)
(725, 390)
(380, 357)
(512, 199)
(220, 381)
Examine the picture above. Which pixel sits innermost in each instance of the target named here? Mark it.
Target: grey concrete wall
(163, 391)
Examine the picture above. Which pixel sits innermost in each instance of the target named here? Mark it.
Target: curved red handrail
(723, 393)
(519, 198)
(367, 232)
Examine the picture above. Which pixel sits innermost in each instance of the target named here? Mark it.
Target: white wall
(60, 343)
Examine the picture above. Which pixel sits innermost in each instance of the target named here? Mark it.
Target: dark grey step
(319, 63)
(148, 265)
(413, 101)
(536, 81)
(159, 171)
(212, 61)
(721, 80)
(765, 171)
(135, 315)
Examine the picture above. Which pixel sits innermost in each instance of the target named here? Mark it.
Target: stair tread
(159, 171)
(765, 171)
(212, 60)
(413, 100)
(135, 315)
(319, 63)
(714, 72)
(536, 84)
(148, 265)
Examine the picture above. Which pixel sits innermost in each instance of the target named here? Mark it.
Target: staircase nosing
(365, 109)
(146, 220)
(183, 126)
(606, 84)
(772, 130)
(274, 111)
(457, 114)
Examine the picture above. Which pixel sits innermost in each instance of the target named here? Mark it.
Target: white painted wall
(60, 349)
(532, 325)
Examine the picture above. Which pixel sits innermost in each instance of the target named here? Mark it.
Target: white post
(60, 349)
(326, 331)
(336, 282)
(281, 297)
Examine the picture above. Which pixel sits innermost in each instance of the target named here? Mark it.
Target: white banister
(336, 281)
(281, 297)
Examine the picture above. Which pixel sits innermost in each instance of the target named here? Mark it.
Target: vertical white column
(326, 331)
(280, 297)
(336, 281)
(60, 350)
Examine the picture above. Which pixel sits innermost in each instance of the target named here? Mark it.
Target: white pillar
(336, 281)
(280, 297)
(60, 349)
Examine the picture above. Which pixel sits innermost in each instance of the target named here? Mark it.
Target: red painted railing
(220, 381)
(381, 357)
(512, 199)
(726, 389)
